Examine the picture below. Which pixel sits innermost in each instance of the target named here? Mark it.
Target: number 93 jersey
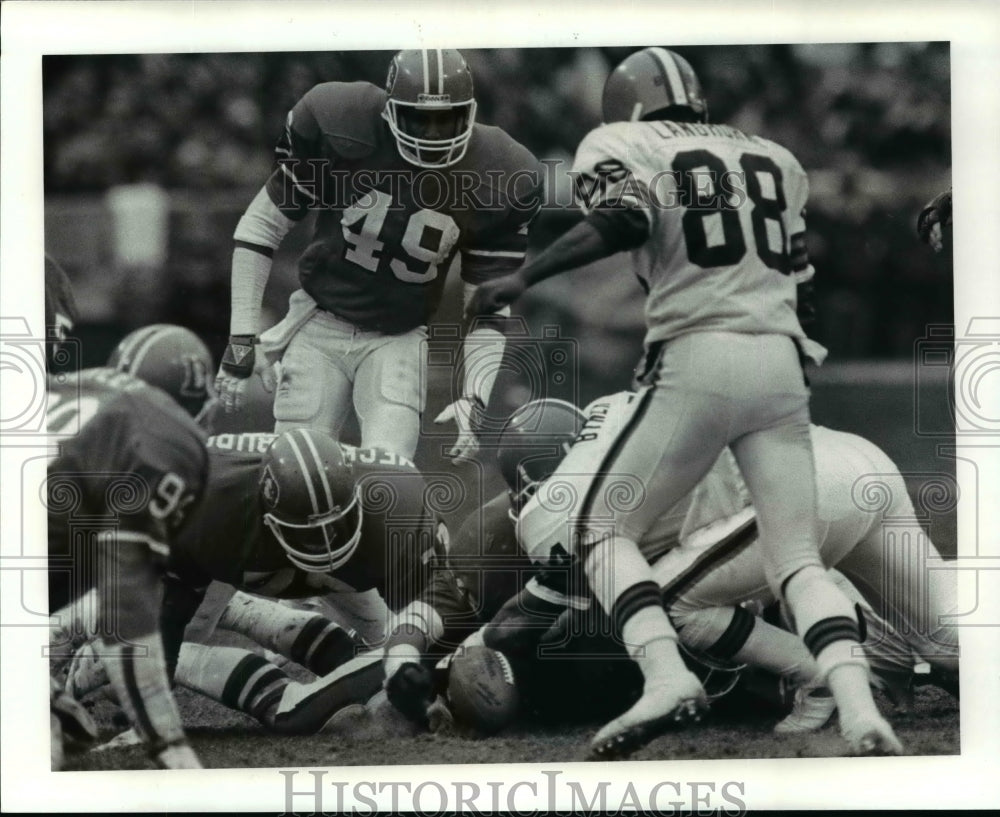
(130, 461)
(725, 210)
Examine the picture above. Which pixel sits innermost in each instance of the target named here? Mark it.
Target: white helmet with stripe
(171, 358)
(648, 83)
(431, 108)
(311, 500)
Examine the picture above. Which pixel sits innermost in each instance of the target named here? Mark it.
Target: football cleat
(662, 708)
(871, 736)
(812, 708)
(177, 756)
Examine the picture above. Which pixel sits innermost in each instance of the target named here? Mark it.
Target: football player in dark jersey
(402, 179)
(173, 359)
(130, 466)
(349, 523)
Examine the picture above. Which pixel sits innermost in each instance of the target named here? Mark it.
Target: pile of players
(660, 537)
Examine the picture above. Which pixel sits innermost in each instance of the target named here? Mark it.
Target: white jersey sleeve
(726, 222)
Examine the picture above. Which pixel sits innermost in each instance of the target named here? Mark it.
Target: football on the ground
(481, 690)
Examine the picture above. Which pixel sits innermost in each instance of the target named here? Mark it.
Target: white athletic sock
(138, 673)
(827, 622)
(308, 638)
(622, 581)
(735, 633)
(232, 676)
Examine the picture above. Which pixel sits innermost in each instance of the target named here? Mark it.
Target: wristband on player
(238, 359)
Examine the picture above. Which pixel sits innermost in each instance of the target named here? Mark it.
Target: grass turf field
(227, 739)
(876, 401)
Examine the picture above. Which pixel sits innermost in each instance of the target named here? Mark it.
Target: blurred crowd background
(191, 136)
(870, 123)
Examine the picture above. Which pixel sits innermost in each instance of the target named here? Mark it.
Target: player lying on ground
(330, 519)
(717, 528)
(485, 566)
(131, 466)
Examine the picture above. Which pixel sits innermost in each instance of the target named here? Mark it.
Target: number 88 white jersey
(726, 240)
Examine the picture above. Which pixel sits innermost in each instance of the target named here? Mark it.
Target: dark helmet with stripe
(532, 443)
(431, 108)
(311, 500)
(171, 358)
(648, 83)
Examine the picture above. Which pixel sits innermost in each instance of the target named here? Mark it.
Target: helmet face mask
(310, 500)
(321, 543)
(648, 84)
(532, 443)
(431, 110)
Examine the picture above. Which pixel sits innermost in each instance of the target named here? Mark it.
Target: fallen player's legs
(304, 636)
(250, 683)
(777, 465)
(902, 576)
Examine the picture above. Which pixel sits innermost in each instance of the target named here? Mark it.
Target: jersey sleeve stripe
(295, 182)
(135, 537)
(257, 248)
(551, 596)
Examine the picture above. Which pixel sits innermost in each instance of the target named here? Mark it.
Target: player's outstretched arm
(258, 234)
(582, 244)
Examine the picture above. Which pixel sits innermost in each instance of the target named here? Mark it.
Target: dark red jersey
(131, 463)
(228, 541)
(483, 568)
(386, 231)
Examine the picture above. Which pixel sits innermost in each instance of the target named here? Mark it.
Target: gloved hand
(467, 413)
(239, 362)
(411, 690)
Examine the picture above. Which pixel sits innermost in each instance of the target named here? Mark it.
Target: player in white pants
(714, 219)
(869, 530)
(387, 173)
